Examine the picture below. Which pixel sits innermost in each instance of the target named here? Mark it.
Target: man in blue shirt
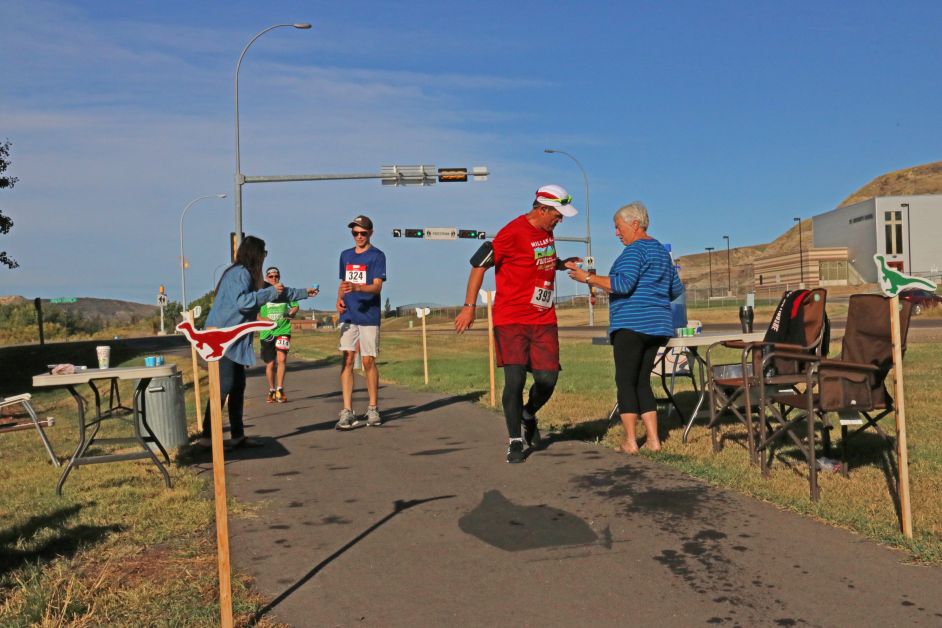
(362, 273)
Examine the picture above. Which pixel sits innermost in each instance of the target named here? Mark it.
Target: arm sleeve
(250, 301)
(293, 295)
(626, 270)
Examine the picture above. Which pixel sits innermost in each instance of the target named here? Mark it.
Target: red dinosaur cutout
(212, 343)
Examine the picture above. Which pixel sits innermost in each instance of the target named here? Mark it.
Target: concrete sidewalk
(421, 522)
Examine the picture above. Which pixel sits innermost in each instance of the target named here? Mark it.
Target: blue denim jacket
(236, 303)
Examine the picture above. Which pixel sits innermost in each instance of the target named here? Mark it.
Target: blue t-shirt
(362, 268)
(644, 282)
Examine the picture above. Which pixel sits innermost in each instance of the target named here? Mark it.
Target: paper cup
(104, 356)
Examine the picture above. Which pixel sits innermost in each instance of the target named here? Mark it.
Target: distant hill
(924, 179)
(111, 310)
(694, 269)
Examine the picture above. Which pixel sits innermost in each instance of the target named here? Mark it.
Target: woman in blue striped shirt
(642, 283)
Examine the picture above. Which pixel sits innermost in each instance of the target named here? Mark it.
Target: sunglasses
(357, 234)
(274, 276)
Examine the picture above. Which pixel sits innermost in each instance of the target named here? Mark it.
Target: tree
(388, 308)
(6, 181)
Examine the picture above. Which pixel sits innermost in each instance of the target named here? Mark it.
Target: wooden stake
(490, 344)
(424, 350)
(902, 454)
(196, 381)
(219, 483)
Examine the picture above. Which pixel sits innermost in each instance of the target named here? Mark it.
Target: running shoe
(280, 395)
(515, 451)
(271, 396)
(372, 417)
(531, 433)
(347, 420)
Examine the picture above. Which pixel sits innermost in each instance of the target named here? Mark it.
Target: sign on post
(488, 297)
(441, 233)
(422, 312)
(63, 300)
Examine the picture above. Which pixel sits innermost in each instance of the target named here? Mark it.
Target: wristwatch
(469, 305)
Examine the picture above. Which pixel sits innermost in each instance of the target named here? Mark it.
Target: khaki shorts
(366, 335)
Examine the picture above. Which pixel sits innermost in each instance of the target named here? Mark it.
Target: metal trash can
(166, 411)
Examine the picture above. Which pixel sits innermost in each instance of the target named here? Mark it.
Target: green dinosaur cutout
(892, 282)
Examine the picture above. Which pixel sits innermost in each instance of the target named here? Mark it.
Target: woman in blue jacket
(240, 294)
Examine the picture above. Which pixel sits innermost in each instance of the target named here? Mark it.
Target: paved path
(421, 523)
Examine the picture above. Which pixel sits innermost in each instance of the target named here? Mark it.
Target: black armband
(484, 257)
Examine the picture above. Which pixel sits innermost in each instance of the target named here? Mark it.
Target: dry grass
(117, 549)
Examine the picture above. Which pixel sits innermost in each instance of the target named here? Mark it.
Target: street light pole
(801, 255)
(182, 258)
(588, 232)
(729, 280)
(710, 250)
(239, 179)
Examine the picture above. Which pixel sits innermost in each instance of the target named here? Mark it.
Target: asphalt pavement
(421, 522)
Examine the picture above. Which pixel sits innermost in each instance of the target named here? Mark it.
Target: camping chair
(852, 386)
(23, 400)
(732, 387)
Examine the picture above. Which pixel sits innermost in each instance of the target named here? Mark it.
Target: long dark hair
(250, 254)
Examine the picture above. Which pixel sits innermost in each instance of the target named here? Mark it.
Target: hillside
(694, 269)
(924, 179)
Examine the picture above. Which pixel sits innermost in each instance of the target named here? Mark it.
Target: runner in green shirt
(276, 342)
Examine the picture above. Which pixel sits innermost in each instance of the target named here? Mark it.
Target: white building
(907, 229)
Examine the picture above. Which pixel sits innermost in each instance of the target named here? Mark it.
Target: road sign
(63, 300)
(162, 299)
(397, 233)
(441, 233)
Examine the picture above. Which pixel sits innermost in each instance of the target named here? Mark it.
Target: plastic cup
(104, 356)
(150, 360)
(159, 360)
(316, 286)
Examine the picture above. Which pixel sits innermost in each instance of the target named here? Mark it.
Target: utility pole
(729, 275)
(710, 250)
(801, 255)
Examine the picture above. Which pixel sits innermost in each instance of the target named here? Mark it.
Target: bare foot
(653, 446)
(628, 448)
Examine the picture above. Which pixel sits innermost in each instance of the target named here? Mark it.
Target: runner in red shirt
(525, 331)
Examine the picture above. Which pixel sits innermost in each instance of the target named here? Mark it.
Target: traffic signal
(415, 233)
(474, 234)
(397, 233)
(452, 175)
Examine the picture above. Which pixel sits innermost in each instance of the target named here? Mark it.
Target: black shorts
(272, 346)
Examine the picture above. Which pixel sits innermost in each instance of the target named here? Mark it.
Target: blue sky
(723, 117)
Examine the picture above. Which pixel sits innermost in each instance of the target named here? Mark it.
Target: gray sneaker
(347, 420)
(372, 416)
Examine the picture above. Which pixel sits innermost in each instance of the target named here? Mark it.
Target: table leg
(671, 401)
(701, 368)
(82, 444)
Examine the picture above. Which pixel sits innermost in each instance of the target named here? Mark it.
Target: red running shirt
(525, 266)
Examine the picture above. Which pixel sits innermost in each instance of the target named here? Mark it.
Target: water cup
(316, 286)
(150, 360)
(159, 360)
(104, 356)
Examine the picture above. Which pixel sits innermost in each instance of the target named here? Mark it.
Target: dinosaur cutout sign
(211, 344)
(892, 281)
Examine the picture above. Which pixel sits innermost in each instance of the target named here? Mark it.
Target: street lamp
(801, 258)
(182, 258)
(239, 179)
(588, 233)
(710, 250)
(729, 281)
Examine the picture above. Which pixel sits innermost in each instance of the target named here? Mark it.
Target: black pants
(232, 393)
(515, 379)
(634, 358)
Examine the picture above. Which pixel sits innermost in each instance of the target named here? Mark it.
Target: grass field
(118, 548)
(585, 396)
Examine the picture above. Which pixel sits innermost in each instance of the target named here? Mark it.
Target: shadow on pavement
(401, 412)
(399, 506)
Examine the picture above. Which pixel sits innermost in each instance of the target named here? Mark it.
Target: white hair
(635, 210)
